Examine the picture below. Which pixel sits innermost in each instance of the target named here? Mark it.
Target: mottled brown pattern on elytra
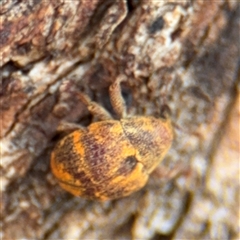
(94, 151)
(94, 157)
(84, 179)
(111, 159)
(129, 184)
(65, 153)
(104, 159)
(70, 160)
(103, 154)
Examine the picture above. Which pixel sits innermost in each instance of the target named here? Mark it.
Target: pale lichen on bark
(181, 53)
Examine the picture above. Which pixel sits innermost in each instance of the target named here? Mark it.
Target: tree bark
(184, 54)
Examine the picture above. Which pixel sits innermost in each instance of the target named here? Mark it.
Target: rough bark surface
(181, 53)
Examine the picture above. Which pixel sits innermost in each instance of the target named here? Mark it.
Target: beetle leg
(94, 108)
(116, 97)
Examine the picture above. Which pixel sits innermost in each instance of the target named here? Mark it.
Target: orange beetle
(111, 158)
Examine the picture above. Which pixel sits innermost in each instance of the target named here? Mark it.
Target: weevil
(111, 158)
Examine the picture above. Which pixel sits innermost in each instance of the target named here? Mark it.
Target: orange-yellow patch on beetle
(111, 158)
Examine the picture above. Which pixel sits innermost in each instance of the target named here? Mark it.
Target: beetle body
(111, 158)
